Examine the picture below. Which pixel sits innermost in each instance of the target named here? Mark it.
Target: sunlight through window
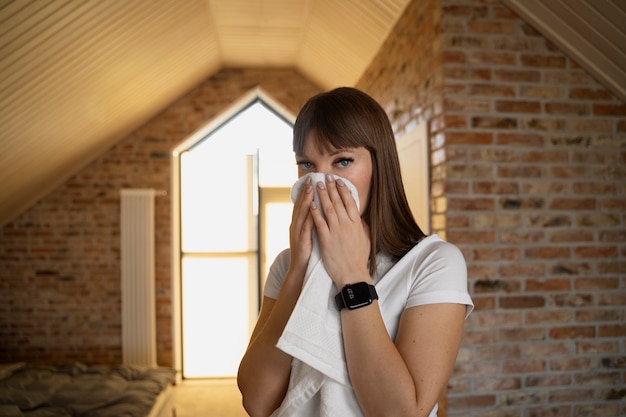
(222, 183)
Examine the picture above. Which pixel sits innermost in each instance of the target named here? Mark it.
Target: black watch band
(357, 295)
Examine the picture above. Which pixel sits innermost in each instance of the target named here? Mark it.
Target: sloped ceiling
(76, 76)
(593, 32)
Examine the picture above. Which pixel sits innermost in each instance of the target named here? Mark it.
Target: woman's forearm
(264, 371)
(380, 378)
(404, 378)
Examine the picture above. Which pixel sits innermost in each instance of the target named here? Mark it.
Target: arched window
(234, 177)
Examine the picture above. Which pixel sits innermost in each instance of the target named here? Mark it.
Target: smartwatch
(356, 295)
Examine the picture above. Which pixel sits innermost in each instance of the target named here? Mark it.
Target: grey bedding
(80, 391)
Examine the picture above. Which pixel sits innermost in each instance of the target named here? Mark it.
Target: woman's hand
(343, 235)
(301, 231)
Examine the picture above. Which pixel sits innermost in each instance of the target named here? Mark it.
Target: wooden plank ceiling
(76, 76)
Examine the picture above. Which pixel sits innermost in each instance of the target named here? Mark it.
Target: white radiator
(138, 287)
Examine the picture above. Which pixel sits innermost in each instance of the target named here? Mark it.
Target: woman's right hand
(301, 231)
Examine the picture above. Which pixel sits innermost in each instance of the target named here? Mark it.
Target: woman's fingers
(348, 200)
(336, 200)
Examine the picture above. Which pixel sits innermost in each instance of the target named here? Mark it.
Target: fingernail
(321, 185)
(313, 205)
(308, 188)
(330, 178)
(340, 182)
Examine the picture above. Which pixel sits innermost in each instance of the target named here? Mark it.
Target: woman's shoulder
(433, 256)
(434, 246)
(276, 274)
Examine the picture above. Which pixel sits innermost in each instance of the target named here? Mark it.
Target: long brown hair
(348, 118)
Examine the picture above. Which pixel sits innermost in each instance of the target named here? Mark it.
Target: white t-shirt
(434, 271)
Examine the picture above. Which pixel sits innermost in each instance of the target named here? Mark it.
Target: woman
(399, 349)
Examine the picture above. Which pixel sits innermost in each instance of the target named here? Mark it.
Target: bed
(78, 390)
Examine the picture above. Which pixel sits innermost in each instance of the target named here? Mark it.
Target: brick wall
(528, 160)
(60, 260)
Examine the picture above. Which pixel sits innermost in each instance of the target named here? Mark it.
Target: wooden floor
(208, 398)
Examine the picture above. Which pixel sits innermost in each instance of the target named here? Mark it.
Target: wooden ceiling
(76, 76)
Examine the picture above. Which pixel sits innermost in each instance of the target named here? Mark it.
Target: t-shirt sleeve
(440, 276)
(276, 275)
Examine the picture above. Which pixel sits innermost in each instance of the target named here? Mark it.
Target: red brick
(486, 122)
(522, 236)
(571, 236)
(549, 317)
(471, 237)
(472, 401)
(492, 58)
(497, 154)
(543, 61)
(573, 204)
(504, 319)
(489, 220)
(549, 252)
(574, 109)
(590, 94)
(453, 57)
(541, 92)
(552, 220)
(543, 124)
(467, 74)
(546, 349)
(610, 204)
(594, 126)
(480, 105)
(571, 396)
(497, 384)
(520, 76)
(545, 156)
(521, 335)
(548, 380)
(476, 138)
(493, 187)
(595, 252)
(598, 315)
(609, 110)
(519, 106)
(466, 11)
(484, 26)
(521, 302)
(524, 366)
(612, 330)
(519, 139)
(567, 77)
(496, 254)
(470, 204)
(598, 220)
(595, 347)
(572, 332)
(531, 203)
(491, 90)
(597, 410)
(570, 268)
(555, 284)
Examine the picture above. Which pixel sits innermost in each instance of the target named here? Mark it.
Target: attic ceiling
(76, 76)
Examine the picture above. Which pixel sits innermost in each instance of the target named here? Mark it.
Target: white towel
(312, 336)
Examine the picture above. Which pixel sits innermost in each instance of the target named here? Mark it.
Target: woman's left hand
(343, 235)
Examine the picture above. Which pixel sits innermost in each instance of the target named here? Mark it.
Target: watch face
(357, 295)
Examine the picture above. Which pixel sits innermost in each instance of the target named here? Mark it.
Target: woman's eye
(305, 165)
(345, 162)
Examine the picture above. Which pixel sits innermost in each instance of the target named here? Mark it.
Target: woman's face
(353, 164)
